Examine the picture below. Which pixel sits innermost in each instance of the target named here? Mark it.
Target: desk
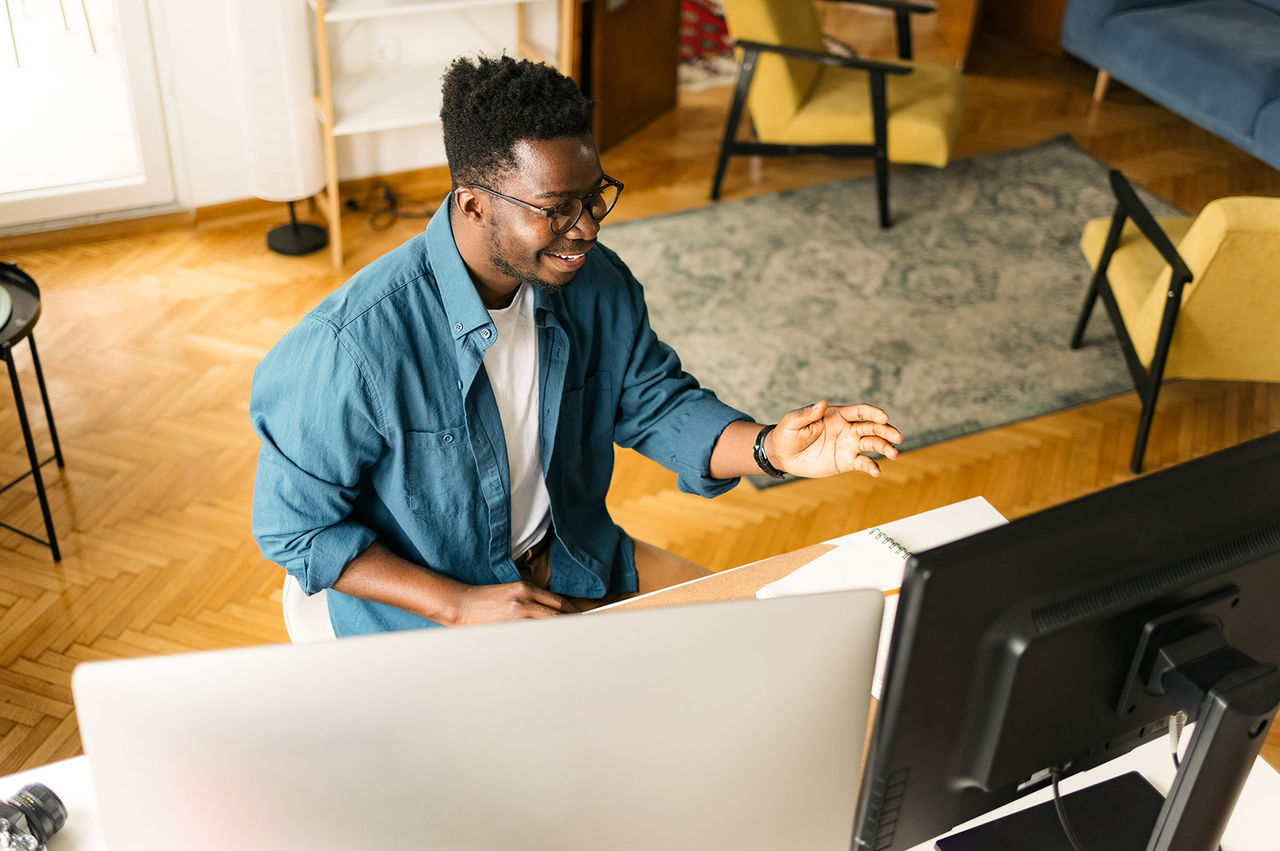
(1250, 829)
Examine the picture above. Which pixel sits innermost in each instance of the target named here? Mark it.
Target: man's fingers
(857, 413)
(801, 417)
(881, 430)
(537, 611)
(550, 599)
(866, 465)
(876, 443)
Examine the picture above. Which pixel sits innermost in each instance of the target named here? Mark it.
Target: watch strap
(762, 459)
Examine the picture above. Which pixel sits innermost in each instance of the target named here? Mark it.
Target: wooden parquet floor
(149, 344)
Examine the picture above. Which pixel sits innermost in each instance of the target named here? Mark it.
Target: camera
(35, 811)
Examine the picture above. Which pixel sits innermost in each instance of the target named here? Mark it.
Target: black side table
(25, 296)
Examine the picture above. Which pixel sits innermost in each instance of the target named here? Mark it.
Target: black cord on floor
(385, 208)
(1062, 813)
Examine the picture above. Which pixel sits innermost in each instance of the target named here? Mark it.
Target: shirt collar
(462, 304)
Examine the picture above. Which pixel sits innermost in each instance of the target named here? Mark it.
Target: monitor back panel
(731, 725)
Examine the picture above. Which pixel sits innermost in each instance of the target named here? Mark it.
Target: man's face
(520, 242)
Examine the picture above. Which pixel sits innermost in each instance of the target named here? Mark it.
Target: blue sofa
(1214, 62)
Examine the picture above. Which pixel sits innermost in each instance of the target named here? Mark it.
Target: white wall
(193, 50)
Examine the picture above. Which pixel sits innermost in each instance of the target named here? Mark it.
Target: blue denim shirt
(377, 421)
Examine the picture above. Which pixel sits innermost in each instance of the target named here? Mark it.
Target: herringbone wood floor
(149, 344)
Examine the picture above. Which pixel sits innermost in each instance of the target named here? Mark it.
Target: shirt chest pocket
(585, 432)
(440, 473)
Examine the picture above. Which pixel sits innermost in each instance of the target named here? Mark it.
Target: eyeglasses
(563, 216)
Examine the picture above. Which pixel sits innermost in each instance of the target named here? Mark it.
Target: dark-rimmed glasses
(563, 216)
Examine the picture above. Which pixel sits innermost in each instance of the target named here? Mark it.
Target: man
(437, 435)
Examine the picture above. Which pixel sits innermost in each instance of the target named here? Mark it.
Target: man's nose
(585, 228)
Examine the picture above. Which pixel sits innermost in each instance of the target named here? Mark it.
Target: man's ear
(472, 205)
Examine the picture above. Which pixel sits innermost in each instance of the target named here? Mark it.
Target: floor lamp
(271, 64)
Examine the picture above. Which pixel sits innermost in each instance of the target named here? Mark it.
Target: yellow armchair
(1189, 298)
(803, 99)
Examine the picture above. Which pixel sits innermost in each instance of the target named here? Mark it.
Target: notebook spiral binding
(889, 542)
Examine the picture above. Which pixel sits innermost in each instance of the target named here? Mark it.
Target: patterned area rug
(954, 320)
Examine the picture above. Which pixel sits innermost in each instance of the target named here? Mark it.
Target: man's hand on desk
(478, 604)
(380, 575)
(823, 440)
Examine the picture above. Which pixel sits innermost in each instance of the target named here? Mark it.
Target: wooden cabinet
(1036, 25)
(629, 62)
(399, 95)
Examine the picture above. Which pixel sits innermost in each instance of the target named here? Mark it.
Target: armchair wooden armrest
(823, 58)
(896, 5)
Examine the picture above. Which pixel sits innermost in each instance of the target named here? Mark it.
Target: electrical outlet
(387, 51)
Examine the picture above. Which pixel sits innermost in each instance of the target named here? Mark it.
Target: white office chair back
(306, 617)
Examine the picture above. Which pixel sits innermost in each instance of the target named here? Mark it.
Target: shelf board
(386, 99)
(359, 10)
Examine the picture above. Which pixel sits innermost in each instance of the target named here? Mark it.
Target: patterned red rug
(706, 57)
(702, 30)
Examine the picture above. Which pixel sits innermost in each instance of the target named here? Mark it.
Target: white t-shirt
(512, 365)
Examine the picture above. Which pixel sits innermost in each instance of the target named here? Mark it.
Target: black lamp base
(295, 239)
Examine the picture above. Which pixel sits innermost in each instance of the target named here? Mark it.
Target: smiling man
(437, 435)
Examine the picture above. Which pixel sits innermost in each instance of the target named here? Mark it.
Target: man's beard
(500, 263)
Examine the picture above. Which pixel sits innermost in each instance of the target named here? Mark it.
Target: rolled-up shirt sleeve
(664, 414)
(319, 426)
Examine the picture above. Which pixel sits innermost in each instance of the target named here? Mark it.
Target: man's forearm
(732, 454)
(379, 575)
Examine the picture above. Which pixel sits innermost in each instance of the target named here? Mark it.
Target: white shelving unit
(396, 97)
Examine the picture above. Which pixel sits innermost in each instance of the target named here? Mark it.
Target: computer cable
(1062, 812)
(391, 207)
(1177, 721)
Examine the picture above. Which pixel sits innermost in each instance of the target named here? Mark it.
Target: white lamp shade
(271, 67)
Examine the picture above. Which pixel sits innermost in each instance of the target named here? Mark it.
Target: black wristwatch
(761, 458)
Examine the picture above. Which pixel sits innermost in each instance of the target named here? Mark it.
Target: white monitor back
(730, 725)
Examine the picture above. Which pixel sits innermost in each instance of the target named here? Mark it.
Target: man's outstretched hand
(823, 440)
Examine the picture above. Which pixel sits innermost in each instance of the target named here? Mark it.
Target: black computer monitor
(1067, 638)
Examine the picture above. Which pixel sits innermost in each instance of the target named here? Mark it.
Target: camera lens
(44, 810)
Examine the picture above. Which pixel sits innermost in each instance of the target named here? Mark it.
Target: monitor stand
(1115, 815)
(1232, 699)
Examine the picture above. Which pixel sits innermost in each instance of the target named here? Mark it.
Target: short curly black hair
(489, 104)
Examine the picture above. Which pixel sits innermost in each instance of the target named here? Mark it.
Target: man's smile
(567, 260)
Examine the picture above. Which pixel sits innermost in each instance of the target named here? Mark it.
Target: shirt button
(459, 384)
(457, 327)
(486, 333)
(448, 438)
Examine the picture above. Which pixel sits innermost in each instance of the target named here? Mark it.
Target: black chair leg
(31, 455)
(44, 397)
(720, 167)
(1090, 299)
(1144, 428)
(882, 189)
(1095, 283)
(880, 130)
(746, 71)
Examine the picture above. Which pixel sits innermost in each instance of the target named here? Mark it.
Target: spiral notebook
(876, 558)
(871, 558)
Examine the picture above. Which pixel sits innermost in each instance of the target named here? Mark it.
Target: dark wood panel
(634, 51)
(1032, 23)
